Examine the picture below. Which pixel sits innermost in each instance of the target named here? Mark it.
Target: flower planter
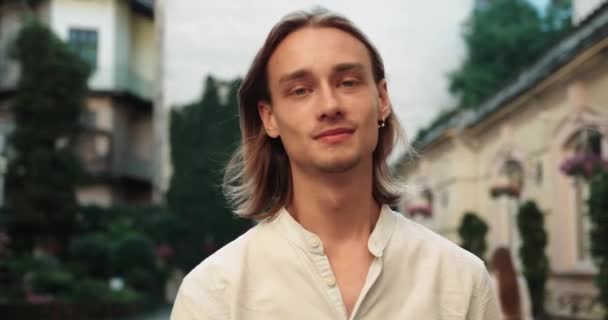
(583, 165)
(505, 190)
(424, 210)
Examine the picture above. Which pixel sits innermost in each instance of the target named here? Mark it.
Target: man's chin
(338, 165)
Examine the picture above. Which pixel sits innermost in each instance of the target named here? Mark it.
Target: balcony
(101, 160)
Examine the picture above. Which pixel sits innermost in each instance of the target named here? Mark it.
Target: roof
(589, 32)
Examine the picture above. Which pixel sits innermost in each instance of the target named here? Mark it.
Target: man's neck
(338, 208)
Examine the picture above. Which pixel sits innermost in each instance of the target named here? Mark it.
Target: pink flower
(583, 164)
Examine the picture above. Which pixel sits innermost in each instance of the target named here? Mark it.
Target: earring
(381, 124)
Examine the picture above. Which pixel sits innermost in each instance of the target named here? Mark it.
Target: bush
(530, 222)
(473, 232)
(141, 279)
(598, 211)
(89, 289)
(126, 296)
(93, 218)
(26, 263)
(135, 251)
(43, 169)
(52, 281)
(95, 252)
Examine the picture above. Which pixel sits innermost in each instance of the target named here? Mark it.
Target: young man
(317, 128)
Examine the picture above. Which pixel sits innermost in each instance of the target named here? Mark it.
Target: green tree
(43, 167)
(530, 223)
(598, 211)
(203, 135)
(473, 232)
(502, 39)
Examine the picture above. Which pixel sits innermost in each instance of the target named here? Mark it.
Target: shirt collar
(295, 233)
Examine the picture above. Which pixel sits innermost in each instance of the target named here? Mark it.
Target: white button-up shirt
(279, 270)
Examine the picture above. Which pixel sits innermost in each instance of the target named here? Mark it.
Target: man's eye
(301, 91)
(349, 83)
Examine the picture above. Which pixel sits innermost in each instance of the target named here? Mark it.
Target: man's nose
(329, 103)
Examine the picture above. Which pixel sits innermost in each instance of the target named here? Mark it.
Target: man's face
(325, 102)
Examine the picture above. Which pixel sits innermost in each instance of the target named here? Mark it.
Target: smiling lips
(333, 136)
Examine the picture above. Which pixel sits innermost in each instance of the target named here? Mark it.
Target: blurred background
(117, 118)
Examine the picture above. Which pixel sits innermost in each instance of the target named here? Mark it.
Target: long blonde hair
(257, 179)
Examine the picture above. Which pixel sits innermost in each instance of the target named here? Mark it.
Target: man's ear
(384, 107)
(268, 119)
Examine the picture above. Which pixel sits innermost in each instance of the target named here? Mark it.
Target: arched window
(514, 173)
(507, 185)
(584, 150)
(508, 178)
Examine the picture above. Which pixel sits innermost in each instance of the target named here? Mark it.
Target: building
(518, 144)
(117, 37)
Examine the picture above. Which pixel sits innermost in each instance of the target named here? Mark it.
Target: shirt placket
(323, 266)
(374, 272)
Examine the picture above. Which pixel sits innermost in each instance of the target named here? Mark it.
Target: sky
(420, 41)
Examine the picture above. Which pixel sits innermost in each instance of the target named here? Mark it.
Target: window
(514, 173)
(586, 146)
(583, 221)
(84, 43)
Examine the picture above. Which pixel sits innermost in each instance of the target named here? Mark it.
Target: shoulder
(220, 269)
(424, 242)
(216, 271)
(463, 277)
(204, 291)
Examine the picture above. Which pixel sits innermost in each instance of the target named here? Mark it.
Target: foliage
(95, 243)
(43, 274)
(43, 169)
(134, 251)
(473, 232)
(121, 241)
(89, 289)
(156, 222)
(92, 289)
(598, 211)
(53, 280)
(530, 223)
(203, 135)
(94, 251)
(502, 39)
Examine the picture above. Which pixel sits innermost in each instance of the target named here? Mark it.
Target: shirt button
(331, 281)
(314, 242)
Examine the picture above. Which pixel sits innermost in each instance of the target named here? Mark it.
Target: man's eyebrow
(298, 74)
(303, 73)
(344, 67)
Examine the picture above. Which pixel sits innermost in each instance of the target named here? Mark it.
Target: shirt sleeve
(199, 299)
(184, 308)
(484, 305)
